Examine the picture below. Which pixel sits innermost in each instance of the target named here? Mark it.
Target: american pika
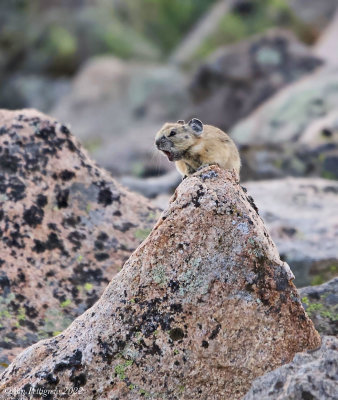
(193, 145)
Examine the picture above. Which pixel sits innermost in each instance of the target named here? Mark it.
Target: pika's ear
(181, 122)
(196, 125)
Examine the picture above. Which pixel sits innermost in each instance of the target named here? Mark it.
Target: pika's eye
(172, 133)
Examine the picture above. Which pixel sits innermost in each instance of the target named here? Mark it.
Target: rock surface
(238, 78)
(200, 309)
(311, 375)
(115, 108)
(313, 12)
(326, 46)
(321, 304)
(66, 227)
(271, 138)
(300, 214)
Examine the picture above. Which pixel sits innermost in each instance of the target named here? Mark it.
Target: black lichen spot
(209, 175)
(31, 312)
(125, 226)
(79, 380)
(33, 216)
(82, 274)
(176, 334)
(205, 344)
(76, 238)
(214, 333)
(62, 198)
(102, 236)
(51, 379)
(53, 242)
(177, 307)
(71, 146)
(41, 200)
(107, 353)
(154, 349)
(69, 362)
(66, 175)
(105, 197)
(174, 286)
(65, 130)
(15, 188)
(4, 284)
(307, 395)
(196, 199)
(46, 133)
(252, 203)
(281, 279)
(9, 163)
(278, 385)
(21, 276)
(73, 220)
(27, 389)
(101, 256)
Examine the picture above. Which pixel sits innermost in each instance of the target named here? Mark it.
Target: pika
(193, 145)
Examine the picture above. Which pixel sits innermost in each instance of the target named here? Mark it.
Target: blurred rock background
(266, 71)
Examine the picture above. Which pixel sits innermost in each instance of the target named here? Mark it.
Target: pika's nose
(158, 141)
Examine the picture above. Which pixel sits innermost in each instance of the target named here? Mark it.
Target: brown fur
(191, 150)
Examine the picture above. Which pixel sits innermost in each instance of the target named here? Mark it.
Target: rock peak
(201, 308)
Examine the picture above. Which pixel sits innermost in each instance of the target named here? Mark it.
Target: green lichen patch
(159, 275)
(120, 369)
(65, 303)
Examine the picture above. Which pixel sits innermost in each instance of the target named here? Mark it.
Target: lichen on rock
(66, 227)
(202, 308)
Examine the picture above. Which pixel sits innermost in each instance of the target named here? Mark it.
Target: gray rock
(310, 376)
(152, 187)
(301, 216)
(274, 139)
(316, 13)
(32, 91)
(321, 304)
(326, 46)
(238, 78)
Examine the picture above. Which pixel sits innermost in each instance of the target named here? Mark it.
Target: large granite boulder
(66, 227)
(321, 304)
(116, 107)
(295, 132)
(300, 214)
(310, 376)
(201, 308)
(237, 78)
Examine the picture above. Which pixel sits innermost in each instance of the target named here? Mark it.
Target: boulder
(153, 186)
(326, 46)
(311, 375)
(274, 139)
(33, 91)
(300, 214)
(201, 308)
(312, 12)
(116, 107)
(237, 78)
(321, 304)
(66, 227)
